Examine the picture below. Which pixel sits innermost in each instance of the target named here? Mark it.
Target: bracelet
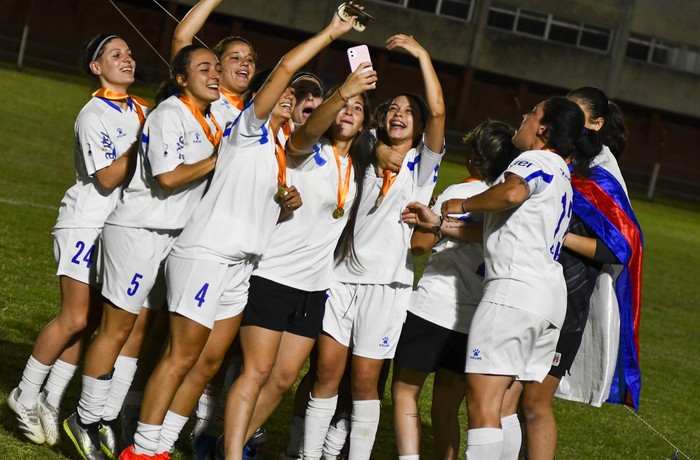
(464, 211)
(437, 228)
(341, 95)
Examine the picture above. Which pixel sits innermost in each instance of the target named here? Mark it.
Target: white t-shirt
(382, 240)
(300, 253)
(235, 219)
(224, 112)
(522, 245)
(103, 132)
(452, 283)
(171, 137)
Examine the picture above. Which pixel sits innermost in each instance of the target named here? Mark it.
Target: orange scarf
(116, 96)
(213, 138)
(234, 100)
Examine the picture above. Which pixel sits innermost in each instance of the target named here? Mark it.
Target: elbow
(165, 183)
(107, 186)
(437, 110)
(419, 249)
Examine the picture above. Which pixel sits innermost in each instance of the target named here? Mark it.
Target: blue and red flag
(602, 204)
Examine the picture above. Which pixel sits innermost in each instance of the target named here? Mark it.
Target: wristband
(437, 228)
(341, 95)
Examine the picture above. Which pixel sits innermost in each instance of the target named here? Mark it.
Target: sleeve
(164, 140)
(426, 164)
(96, 145)
(532, 170)
(247, 130)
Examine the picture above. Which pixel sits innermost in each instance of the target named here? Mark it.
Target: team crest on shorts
(475, 354)
(556, 360)
(385, 342)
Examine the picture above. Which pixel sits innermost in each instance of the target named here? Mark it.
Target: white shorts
(75, 251)
(206, 291)
(367, 317)
(133, 266)
(508, 341)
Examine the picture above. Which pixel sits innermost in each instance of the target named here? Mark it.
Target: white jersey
(452, 283)
(171, 137)
(300, 254)
(103, 132)
(522, 245)
(236, 218)
(382, 240)
(224, 112)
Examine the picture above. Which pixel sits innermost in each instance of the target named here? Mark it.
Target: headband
(102, 43)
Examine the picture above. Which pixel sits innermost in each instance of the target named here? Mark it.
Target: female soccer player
(587, 247)
(516, 325)
(106, 134)
(209, 266)
(434, 335)
(178, 152)
(368, 297)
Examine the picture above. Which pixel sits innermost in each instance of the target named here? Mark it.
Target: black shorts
(425, 347)
(282, 308)
(567, 347)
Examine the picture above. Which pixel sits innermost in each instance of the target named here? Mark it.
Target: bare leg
(114, 331)
(405, 390)
(540, 423)
(449, 390)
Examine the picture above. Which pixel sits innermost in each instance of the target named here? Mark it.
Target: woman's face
(237, 67)
(348, 122)
(115, 67)
(400, 123)
(204, 75)
(309, 96)
(527, 137)
(285, 105)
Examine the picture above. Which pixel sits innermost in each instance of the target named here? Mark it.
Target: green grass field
(36, 151)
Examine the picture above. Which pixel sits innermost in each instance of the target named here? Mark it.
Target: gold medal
(379, 200)
(281, 192)
(338, 213)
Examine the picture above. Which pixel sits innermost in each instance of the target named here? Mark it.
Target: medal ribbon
(343, 186)
(388, 181)
(213, 138)
(116, 96)
(235, 101)
(281, 157)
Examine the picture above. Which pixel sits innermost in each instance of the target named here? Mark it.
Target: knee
(364, 387)
(207, 366)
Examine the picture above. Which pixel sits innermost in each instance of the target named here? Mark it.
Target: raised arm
(508, 194)
(435, 127)
(323, 116)
(278, 80)
(191, 24)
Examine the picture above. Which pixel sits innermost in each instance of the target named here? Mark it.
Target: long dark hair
(613, 133)
(422, 115)
(493, 148)
(180, 65)
(361, 152)
(93, 49)
(566, 133)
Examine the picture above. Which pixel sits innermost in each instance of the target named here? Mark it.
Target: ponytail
(613, 133)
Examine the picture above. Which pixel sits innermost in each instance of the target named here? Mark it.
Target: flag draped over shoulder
(602, 204)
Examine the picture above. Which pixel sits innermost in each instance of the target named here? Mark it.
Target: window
(656, 51)
(459, 9)
(546, 27)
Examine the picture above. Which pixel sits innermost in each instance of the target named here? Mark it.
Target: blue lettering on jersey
(180, 146)
(196, 140)
(120, 133)
(524, 163)
(108, 147)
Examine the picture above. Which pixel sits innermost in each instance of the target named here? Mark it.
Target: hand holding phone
(357, 55)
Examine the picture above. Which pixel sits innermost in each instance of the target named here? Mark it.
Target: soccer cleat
(49, 420)
(129, 454)
(253, 448)
(108, 439)
(28, 418)
(86, 439)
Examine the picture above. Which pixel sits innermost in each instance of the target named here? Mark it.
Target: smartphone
(357, 55)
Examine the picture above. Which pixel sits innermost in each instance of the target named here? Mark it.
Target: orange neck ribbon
(213, 138)
(388, 181)
(233, 99)
(343, 186)
(116, 96)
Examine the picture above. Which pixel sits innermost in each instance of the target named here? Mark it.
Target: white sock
(172, 426)
(32, 379)
(206, 409)
(335, 438)
(146, 438)
(409, 457)
(59, 379)
(363, 428)
(484, 443)
(512, 437)
(295, 446)
(124, 371)
(319, 413)
(93, 398)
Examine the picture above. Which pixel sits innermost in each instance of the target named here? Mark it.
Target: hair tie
(97, 50)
